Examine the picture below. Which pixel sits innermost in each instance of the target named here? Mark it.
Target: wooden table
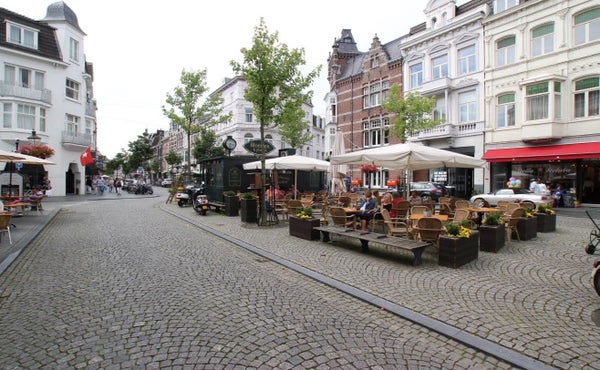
(13, 207)
(481, 211)
(416, 216)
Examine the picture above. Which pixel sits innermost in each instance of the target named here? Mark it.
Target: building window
(439, 112)
(416, 75)
(247, 138)
(502, 5)
(376, 132)
(89, 124)
(249, 115)
(372, 94)
(542, 39)
(587, 26)
(42, 121)
(539, 102)
(505, 109)
(17, 34)
(587, 97)
(440, 67)
(505, 51)
(269, 138)
(7, 115)
(467, 106)
(74, 50)
(26, 116)
(72, 124)
(72, 90)
(467, 60)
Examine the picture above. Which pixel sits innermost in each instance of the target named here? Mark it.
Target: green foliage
(230, 193)
(204, 146)
(412, 112)
(293, 128)
(120, 161)
(248, 195)
(186, 111)
(140, 151)
(173, 159)
(492, 219)
(275, 85)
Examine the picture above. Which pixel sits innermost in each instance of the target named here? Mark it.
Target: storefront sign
(258, 146)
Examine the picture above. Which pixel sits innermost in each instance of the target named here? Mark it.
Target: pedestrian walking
(118, 186)
(100, 185)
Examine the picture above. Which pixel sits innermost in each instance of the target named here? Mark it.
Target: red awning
(544, 153)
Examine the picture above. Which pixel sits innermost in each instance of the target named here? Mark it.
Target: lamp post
(34, 138)
(16, 145)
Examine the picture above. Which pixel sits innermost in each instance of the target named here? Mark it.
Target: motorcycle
(184, 197)
(143, 189)
(592, 247)
(201, 204)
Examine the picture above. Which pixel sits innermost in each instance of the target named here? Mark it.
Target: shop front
(574, 169)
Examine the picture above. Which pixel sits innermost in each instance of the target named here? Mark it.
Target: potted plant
(232, 203)
(527, 225)
(249, 208)
(491, 233)
(546, 218)
(459, 246)
(302, 224)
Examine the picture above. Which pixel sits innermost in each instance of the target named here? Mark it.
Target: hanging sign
(258, 146)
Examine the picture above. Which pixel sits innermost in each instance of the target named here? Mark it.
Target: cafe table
(481, 211)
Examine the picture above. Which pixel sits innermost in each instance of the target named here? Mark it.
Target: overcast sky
(139, 47)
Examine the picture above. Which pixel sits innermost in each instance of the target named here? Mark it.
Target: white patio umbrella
(337, 171)
(9, 157)
(291, 162)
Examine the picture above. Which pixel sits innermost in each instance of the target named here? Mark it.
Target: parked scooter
(184, 197)
(592, 247)
(200, 201)
(143, 188)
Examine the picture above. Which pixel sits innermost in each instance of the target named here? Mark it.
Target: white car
(511, 195)
(166, 183)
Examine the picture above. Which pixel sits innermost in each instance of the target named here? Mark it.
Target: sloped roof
(47, 44)
(354, 64)
(60, 11)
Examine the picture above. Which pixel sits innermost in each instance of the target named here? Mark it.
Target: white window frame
(72, 89)
(42, 120)
(543, 43)
(26, 116)
(248, 115)
(74, 50)
(467, 106)
(543, 104)
(505, 110)
(502, 5)
(586, 101)
(21, 35)
(72, 124)
(376, 132)
(247, 138)
(440, 111)
(467, 63)
(416, 75)
(439, 66)
(7, 115)
(586, 26)
(505, 55)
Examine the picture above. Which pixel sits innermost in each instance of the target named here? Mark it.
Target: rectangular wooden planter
(304, 228)
(455, 252)
(232, 205)
(249, 210)
(527, 228)
(545, 222)
(491, 238)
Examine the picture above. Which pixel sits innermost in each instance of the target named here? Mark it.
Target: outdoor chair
(416, 210)
(36, 204)
(5, 225)
(394, 226)
(461, 204)
(428, 229)
(293, 205)
(339, 217)
(461, 215)
(510, 224)
(401, 211)
(345, 201)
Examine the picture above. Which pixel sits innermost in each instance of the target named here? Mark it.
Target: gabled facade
(47, 87)
(359, 82)
(444, 58)
(542, 85)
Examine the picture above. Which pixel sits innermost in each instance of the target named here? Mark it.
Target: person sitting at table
(366, 209)
(36, 194)
(415, 199)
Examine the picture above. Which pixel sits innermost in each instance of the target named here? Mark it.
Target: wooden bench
(414, 246)
(217, 206)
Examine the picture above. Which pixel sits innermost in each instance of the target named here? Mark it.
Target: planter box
(527, 228)
(491, 238)
(304, 229)
(455, 252)
(545, 222)
(232, 205)
(249, 208)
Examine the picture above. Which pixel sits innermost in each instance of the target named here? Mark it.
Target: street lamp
(34, 138)
(16, 145)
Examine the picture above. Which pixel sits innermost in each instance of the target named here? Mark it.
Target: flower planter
(527, 228)
(304, 228)
(545, 222)
(249, 210)
(491, 237)
(455, 252)
(232, 205)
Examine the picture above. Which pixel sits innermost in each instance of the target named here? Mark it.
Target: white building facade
(444, 58)
(46, 87)
(542, 94)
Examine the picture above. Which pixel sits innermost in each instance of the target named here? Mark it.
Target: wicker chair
(461, 204)
(510, 223)
(339, 217)
(428, 229)
(292, 206)
(5, 225)
(394, 226)
(416, 210)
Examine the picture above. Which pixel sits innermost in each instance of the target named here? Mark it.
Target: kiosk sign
(258, 146)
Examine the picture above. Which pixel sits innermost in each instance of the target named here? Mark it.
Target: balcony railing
(43, 95)
(76, 138)
(447, 130)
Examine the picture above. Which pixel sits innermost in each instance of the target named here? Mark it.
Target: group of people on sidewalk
(97, 185)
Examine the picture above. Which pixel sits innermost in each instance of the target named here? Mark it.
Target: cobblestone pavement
(125, 284)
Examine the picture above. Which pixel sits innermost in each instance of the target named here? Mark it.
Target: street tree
(189, 110)
(412, 112)
(294, 128)
(173, 159)
(275, 85)
(140, 151)
(205, 145)
(118, 163)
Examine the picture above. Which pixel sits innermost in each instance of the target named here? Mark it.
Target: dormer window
(20, 35)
